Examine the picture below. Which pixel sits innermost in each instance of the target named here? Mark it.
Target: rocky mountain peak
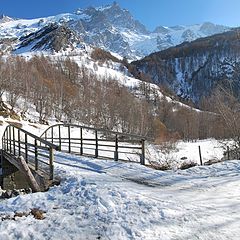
(161, 30)
(209, 28)
(112, 16)
(4, 18)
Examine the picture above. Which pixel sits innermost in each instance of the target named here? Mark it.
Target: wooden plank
(116, 148)
(81, 143)
(142, 157)
(28, 174)
(59, 137)
(69, 139)
(51, 158)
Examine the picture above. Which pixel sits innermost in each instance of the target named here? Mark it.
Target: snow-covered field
(100, 199)
(181, 152)
(103, 199)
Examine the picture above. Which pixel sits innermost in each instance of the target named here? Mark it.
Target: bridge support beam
(21, 175)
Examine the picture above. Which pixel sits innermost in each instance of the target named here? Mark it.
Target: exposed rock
(52, 37)
(37, 213)
(13, 193)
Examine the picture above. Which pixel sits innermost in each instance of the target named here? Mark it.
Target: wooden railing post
(7, 140)
(200, 155)
(52, 134)
(10, 139)
(51, 159)
(142, 157)
(19, 143)
(116, 148)
(228, 153)
(81, 143)
(14, 145)
(69, 139)
(96, 143)
(36, 154)
(59, 137)
(26, 148)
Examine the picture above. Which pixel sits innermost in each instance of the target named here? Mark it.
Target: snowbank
(100, 199)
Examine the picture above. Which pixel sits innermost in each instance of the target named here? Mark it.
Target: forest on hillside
(65, 91)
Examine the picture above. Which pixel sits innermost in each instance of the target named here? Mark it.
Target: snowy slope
(100, 199)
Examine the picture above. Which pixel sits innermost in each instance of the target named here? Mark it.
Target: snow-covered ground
(176, 154)
(100, 199)
(103, 199)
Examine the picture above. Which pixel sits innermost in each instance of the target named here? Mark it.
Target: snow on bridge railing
(37, 152)
(98, 143)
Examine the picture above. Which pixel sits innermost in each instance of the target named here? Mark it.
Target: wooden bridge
(34, 156)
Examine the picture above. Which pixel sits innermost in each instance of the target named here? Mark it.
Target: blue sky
(150, 12)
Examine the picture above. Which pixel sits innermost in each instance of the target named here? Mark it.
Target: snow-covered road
(100, 199)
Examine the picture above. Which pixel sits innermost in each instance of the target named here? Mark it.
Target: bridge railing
(37, 152)
(98, 143)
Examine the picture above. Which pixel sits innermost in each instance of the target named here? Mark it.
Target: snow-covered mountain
(111, 28)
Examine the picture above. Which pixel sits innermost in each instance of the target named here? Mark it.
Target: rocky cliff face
(193, 70)
(52, 37)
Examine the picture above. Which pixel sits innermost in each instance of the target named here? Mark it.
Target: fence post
(228, 153)
(81, 143)
(69, 139)
(7, 139)
(200, 155)
(52, 134)
(116, 148)
(36, 154)
(19, 143)
(14, 145)
(96, 138)
(10, 139)
(26, 148)
(142, 157)
(51, 159)
(59, 137)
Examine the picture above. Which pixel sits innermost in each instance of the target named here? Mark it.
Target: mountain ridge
(111, 28)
